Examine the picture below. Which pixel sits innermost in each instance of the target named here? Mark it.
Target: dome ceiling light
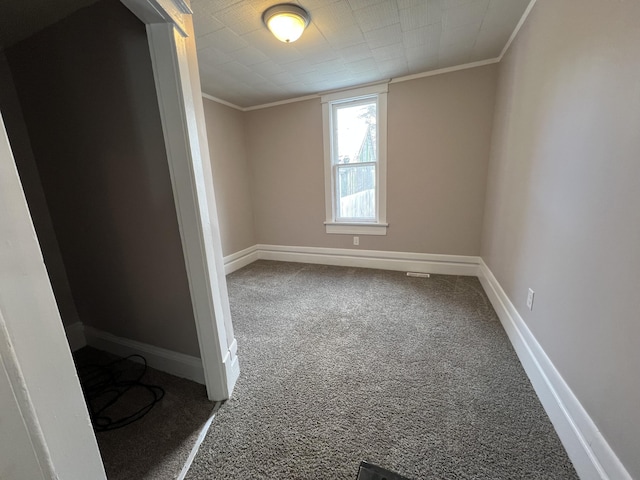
(286, 21)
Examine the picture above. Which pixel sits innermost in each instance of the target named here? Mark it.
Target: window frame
(333, 223)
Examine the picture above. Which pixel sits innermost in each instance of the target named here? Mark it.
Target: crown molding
(319, 95)
(513, 36)
(222, 102)
(441, 71)
(282, 102)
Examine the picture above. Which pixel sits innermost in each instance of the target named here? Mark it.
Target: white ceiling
(348, 42)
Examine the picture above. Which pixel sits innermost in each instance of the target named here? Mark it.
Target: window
(355, 160)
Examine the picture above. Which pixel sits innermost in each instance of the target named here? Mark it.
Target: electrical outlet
(356, 240)
(530, 299)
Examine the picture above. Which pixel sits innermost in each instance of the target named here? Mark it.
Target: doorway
(201, 253)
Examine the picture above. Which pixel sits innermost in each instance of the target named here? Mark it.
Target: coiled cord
(105, 386)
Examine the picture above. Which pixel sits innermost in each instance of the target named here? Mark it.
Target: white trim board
(175, 72)
(240, 259)
(587, 448)
(178, 364)
(399, 261)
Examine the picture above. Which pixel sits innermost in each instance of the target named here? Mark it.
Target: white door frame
(175, 70)
(50, 423)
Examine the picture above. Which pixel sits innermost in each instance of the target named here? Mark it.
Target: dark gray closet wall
(86, 91)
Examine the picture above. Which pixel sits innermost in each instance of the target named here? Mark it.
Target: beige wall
(563, 202)
(284, 145)
(439, 131)
(38, 208)
(439, 136)
(87, 94)
(231, 176)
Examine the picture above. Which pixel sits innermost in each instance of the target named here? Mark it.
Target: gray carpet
(156, 446)
(341, 365)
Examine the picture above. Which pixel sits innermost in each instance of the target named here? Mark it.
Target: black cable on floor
(105, 387)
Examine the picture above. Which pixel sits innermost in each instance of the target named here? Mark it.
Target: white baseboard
(399, 261)
(240, 259)
(178, 364)
(75, 336)
(587, 448)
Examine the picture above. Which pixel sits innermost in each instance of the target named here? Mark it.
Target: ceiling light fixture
(286, 21)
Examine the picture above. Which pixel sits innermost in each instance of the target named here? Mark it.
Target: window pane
(356, 192)
(356, 133)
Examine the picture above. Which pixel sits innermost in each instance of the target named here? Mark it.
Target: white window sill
(357, 228)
